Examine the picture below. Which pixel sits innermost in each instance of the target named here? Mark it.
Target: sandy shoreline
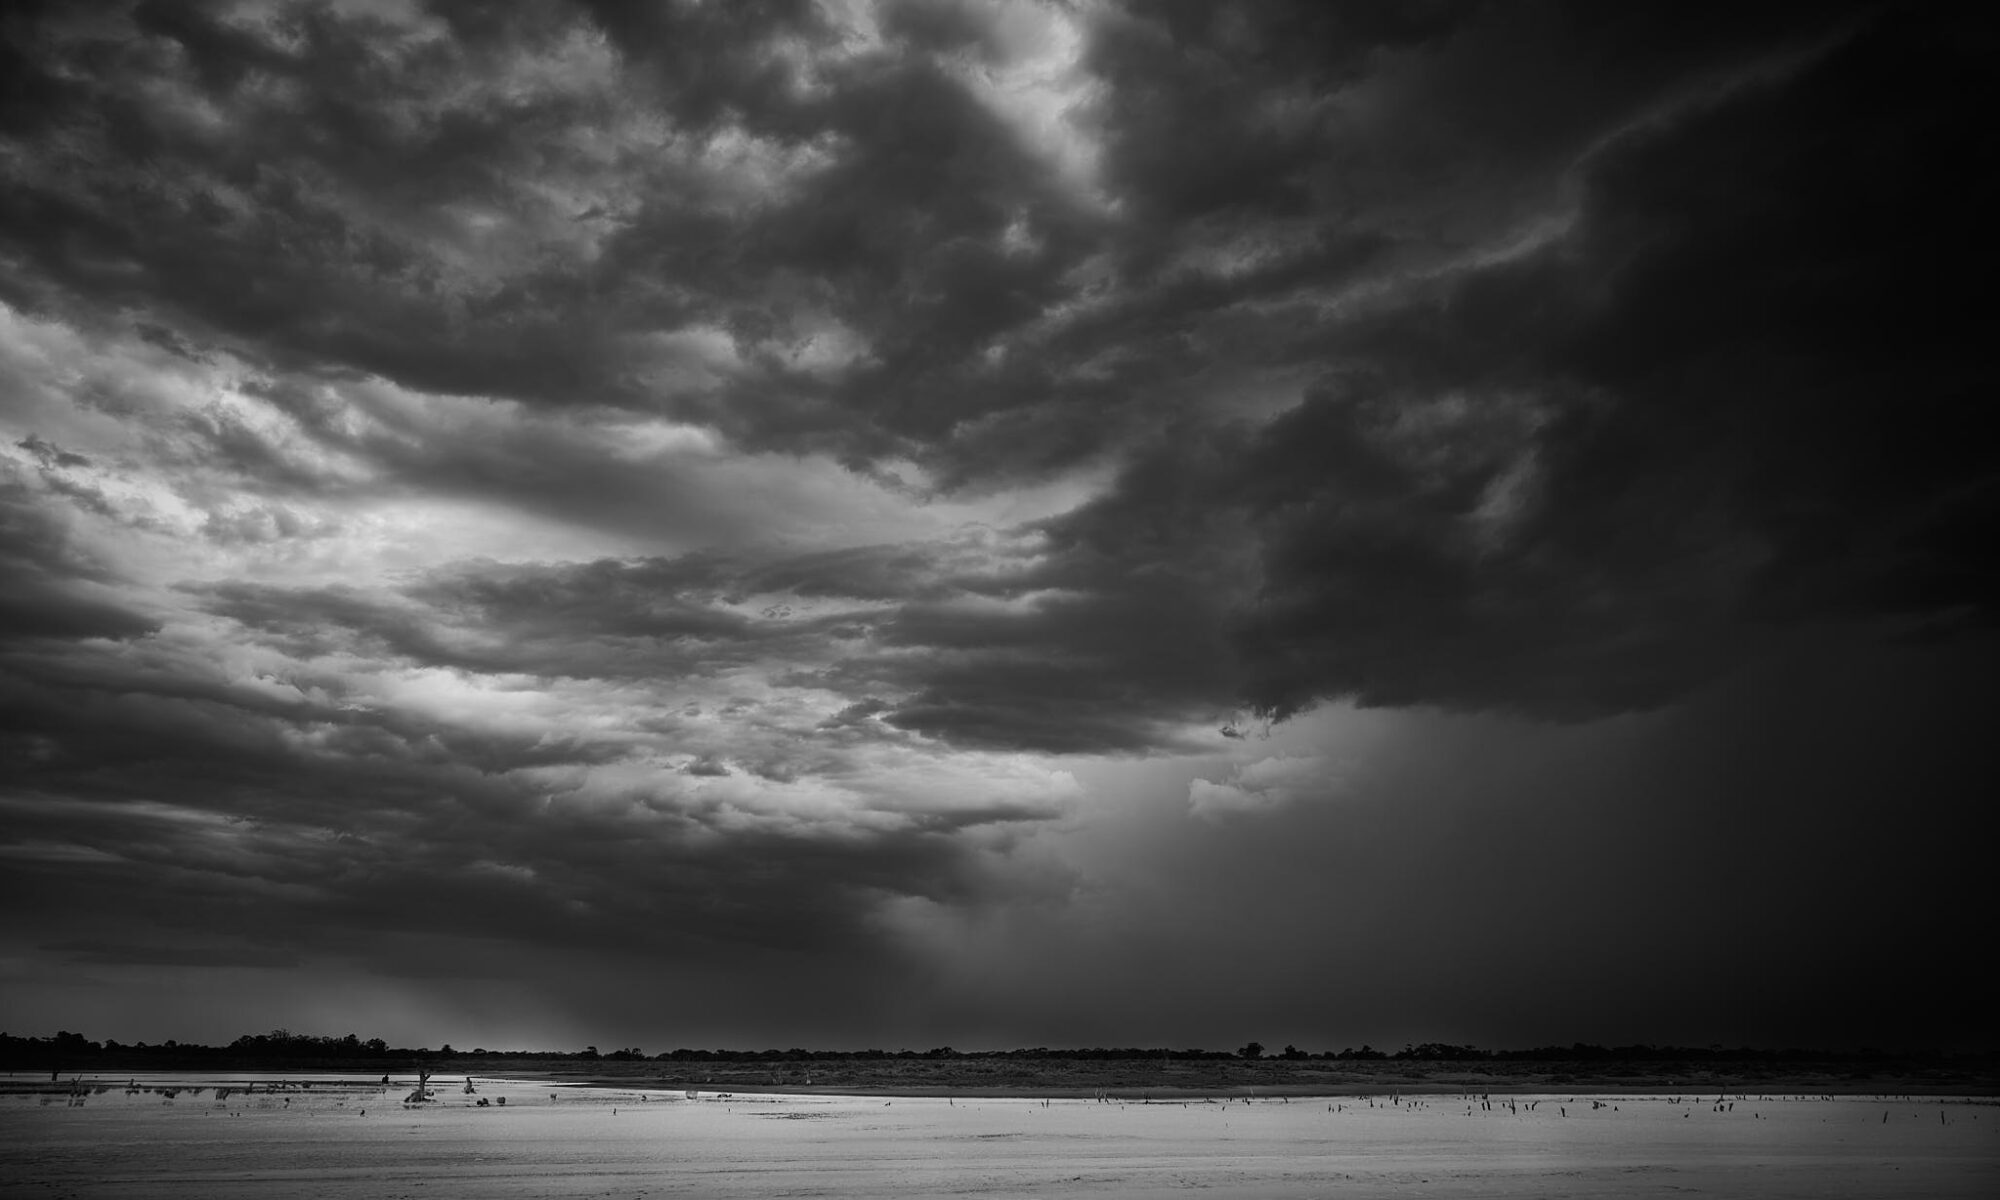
(1141, 1093)
(348, 1135)
(102, 1083)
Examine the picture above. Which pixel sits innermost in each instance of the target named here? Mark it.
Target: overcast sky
(997, 524)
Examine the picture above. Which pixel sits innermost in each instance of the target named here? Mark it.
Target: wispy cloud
(1265, 786)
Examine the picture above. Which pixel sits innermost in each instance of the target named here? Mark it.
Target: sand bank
(347, 1136)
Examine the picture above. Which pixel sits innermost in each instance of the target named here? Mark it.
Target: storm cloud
(949, 502)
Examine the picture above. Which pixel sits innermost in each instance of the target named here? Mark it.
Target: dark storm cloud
(297, 804)
(1564, 478)
(289, 811)
(287, 232)
(690, 482)
(318, 182)
(1003, 658)
(608, 619)
(561, 627)
(616, 883)
(188, 956)
(310, 179)
(1112, 668)
(53, 589)
(1582, 479)
(1592, 475)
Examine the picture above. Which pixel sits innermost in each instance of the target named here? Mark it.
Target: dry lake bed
(348, 1136)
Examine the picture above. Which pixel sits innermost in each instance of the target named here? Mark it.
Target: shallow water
(345, 1135)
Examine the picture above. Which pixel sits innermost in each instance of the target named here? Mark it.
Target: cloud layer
(744, 484)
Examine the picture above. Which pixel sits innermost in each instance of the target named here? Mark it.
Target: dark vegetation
(1431, 1066)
